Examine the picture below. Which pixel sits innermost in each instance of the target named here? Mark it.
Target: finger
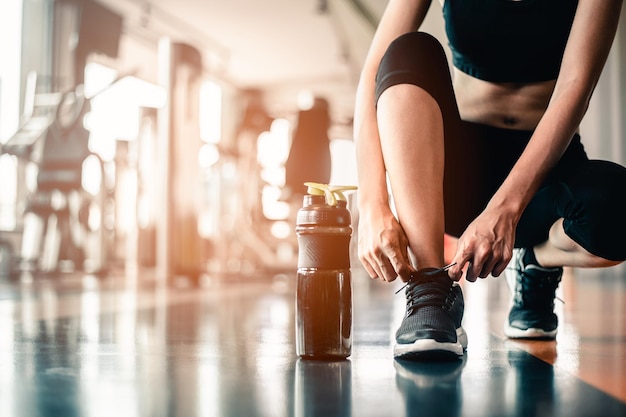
(483, 262)
(487, 268)
(401, 266)
(388, 273)
(497, 261)
(455, 275)
(481, 268)
(368, 268)
(460, 260)
(470, 273)
(393, 263)
(499, 268)
(482, 258)
(380, 265)
(406, 273)
(367, 265)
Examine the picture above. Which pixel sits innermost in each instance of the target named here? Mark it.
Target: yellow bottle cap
(333, 193)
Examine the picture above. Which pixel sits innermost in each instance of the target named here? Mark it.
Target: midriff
(507, 105)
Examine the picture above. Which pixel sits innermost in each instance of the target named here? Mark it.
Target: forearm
(371, 171)
(547, 145)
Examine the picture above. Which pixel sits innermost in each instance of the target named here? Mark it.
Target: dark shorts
(589, 195)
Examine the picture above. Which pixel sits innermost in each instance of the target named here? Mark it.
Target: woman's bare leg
(561, 250)
(411, 135)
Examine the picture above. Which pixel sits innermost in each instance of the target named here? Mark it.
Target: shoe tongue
(432, 275)
(428, 285)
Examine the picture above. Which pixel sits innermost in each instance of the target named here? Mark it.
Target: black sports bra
(509, 41)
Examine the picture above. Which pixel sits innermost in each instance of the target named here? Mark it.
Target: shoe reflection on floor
(431, 388)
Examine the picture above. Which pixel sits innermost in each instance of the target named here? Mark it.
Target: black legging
(589, 195)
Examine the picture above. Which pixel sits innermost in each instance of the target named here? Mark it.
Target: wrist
(511, 207)
(373, 205)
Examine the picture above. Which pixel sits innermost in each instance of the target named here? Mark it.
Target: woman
(493, 158)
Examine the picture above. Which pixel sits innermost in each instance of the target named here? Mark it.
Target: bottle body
(324, 282)
(324, 313)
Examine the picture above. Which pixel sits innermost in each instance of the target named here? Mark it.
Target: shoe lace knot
(421, 293)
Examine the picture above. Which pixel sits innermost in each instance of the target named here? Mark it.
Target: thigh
(478, 159)
(591, 199)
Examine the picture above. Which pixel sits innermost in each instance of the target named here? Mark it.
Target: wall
(604, 126)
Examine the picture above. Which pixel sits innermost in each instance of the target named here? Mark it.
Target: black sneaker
(534, 289)
(432, 324)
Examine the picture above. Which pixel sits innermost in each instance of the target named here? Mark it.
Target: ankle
(530, 258)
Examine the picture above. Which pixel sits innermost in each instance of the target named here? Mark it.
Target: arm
(382, 243)
(488, 241)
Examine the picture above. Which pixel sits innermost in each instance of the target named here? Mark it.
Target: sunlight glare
(210, 112)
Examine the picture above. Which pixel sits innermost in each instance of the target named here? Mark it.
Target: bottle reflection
(323, 388)
(431, 388)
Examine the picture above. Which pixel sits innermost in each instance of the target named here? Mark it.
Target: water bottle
(324, 284)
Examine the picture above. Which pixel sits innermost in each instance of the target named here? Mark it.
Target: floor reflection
(101, 348)
(323, 388)
(533, 385)
(431, 388)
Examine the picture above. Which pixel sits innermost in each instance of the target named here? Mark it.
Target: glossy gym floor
(123, 345)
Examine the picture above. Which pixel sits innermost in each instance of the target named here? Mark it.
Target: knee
(414, 50)
(413, 58)
(580, 248)
(415, 42)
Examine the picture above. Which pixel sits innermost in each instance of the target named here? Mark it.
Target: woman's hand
(383, 246)
(486, 245)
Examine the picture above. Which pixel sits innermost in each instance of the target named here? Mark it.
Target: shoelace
(536, 292)
(428, 293)
(429, 273)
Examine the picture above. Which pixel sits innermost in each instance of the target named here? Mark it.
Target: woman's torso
(506, 55)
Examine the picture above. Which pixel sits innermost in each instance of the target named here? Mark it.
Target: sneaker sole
(461, 337)
(530, 333)
(430, 347)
